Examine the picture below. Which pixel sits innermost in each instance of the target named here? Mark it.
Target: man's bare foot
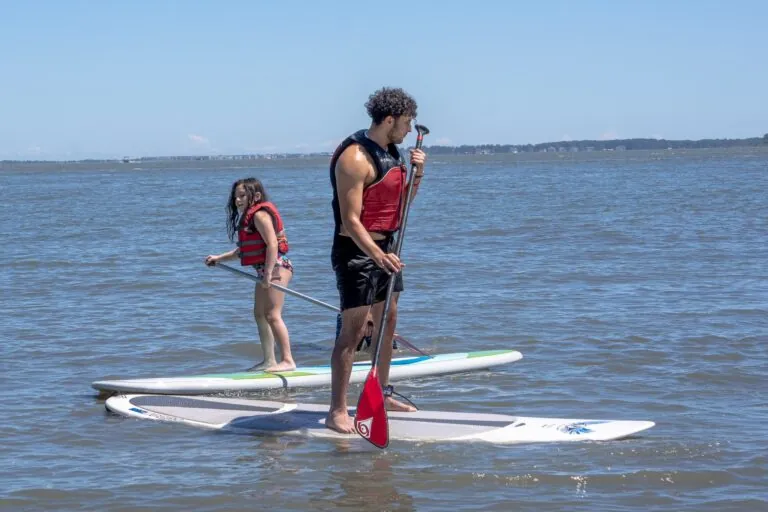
(282, 366)
(391, 404)
(340, 421)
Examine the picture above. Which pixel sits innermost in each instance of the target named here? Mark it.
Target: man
(368, 177)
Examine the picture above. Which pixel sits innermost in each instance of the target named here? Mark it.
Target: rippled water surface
(635, 289)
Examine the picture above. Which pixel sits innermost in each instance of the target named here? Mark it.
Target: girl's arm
(263, 222)
(229, 255)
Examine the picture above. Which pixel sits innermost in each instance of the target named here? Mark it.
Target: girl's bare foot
(283, 366)
(261, 366)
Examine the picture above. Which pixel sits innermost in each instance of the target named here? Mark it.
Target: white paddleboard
(310, 376)
(258, 416)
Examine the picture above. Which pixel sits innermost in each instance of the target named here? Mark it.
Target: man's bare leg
(353, 322)
(385, 355)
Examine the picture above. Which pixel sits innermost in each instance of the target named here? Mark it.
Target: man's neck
(377, 135)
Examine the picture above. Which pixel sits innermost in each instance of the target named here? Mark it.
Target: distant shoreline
(320, 162)
(575, 146)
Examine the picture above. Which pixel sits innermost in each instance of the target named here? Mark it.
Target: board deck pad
(310, 376)
(268, 417)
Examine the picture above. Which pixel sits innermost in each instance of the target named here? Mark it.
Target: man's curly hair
(389, 101)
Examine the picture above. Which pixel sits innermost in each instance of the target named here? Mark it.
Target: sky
(93, 79)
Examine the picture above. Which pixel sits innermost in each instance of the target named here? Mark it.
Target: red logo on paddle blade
(371, 417)
(363, 427)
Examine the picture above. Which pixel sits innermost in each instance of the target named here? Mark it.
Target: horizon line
(284, 154)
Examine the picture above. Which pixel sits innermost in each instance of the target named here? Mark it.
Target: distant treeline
(487, 149)
(597, 145)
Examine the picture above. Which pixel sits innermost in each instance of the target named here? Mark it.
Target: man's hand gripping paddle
(371, 417)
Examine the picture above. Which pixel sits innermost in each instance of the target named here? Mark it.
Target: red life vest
(253, 248)
(383, 199)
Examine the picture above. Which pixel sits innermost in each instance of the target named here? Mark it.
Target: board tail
(371, 420)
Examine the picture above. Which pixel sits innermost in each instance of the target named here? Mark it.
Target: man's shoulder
(355, 159)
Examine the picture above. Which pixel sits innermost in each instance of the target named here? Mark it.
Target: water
(636, 288)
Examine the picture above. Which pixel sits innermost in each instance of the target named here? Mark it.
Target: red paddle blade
(371, 417)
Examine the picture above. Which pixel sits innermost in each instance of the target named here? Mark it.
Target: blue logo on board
(575, 428)
(580, 427)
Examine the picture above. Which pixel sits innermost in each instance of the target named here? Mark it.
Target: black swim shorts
(360, 281)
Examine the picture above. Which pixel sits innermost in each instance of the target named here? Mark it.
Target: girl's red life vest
(383, 199)
(253, 248)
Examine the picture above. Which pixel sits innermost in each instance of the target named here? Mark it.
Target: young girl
(262, 244)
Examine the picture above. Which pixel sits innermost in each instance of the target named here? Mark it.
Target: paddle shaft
(279, 287)
(422, 130)
(310, 299)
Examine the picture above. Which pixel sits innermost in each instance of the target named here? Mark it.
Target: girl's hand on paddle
(212, 260)
(266, 281)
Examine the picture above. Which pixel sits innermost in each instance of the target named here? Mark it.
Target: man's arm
(418, 159)
(353, 167)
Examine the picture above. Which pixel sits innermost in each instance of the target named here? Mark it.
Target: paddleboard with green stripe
(309, 376)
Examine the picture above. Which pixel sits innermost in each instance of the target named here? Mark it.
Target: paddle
(279, 287)
(371, 420)
(312, 300)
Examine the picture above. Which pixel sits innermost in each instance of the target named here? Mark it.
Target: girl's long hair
(252, 187)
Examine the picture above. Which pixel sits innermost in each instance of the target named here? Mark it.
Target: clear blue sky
(83, 79)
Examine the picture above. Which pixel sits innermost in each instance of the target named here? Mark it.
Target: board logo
(364, 427)
(576, 428)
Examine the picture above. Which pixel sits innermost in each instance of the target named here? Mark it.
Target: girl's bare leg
(265, 331)
(274, 315)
